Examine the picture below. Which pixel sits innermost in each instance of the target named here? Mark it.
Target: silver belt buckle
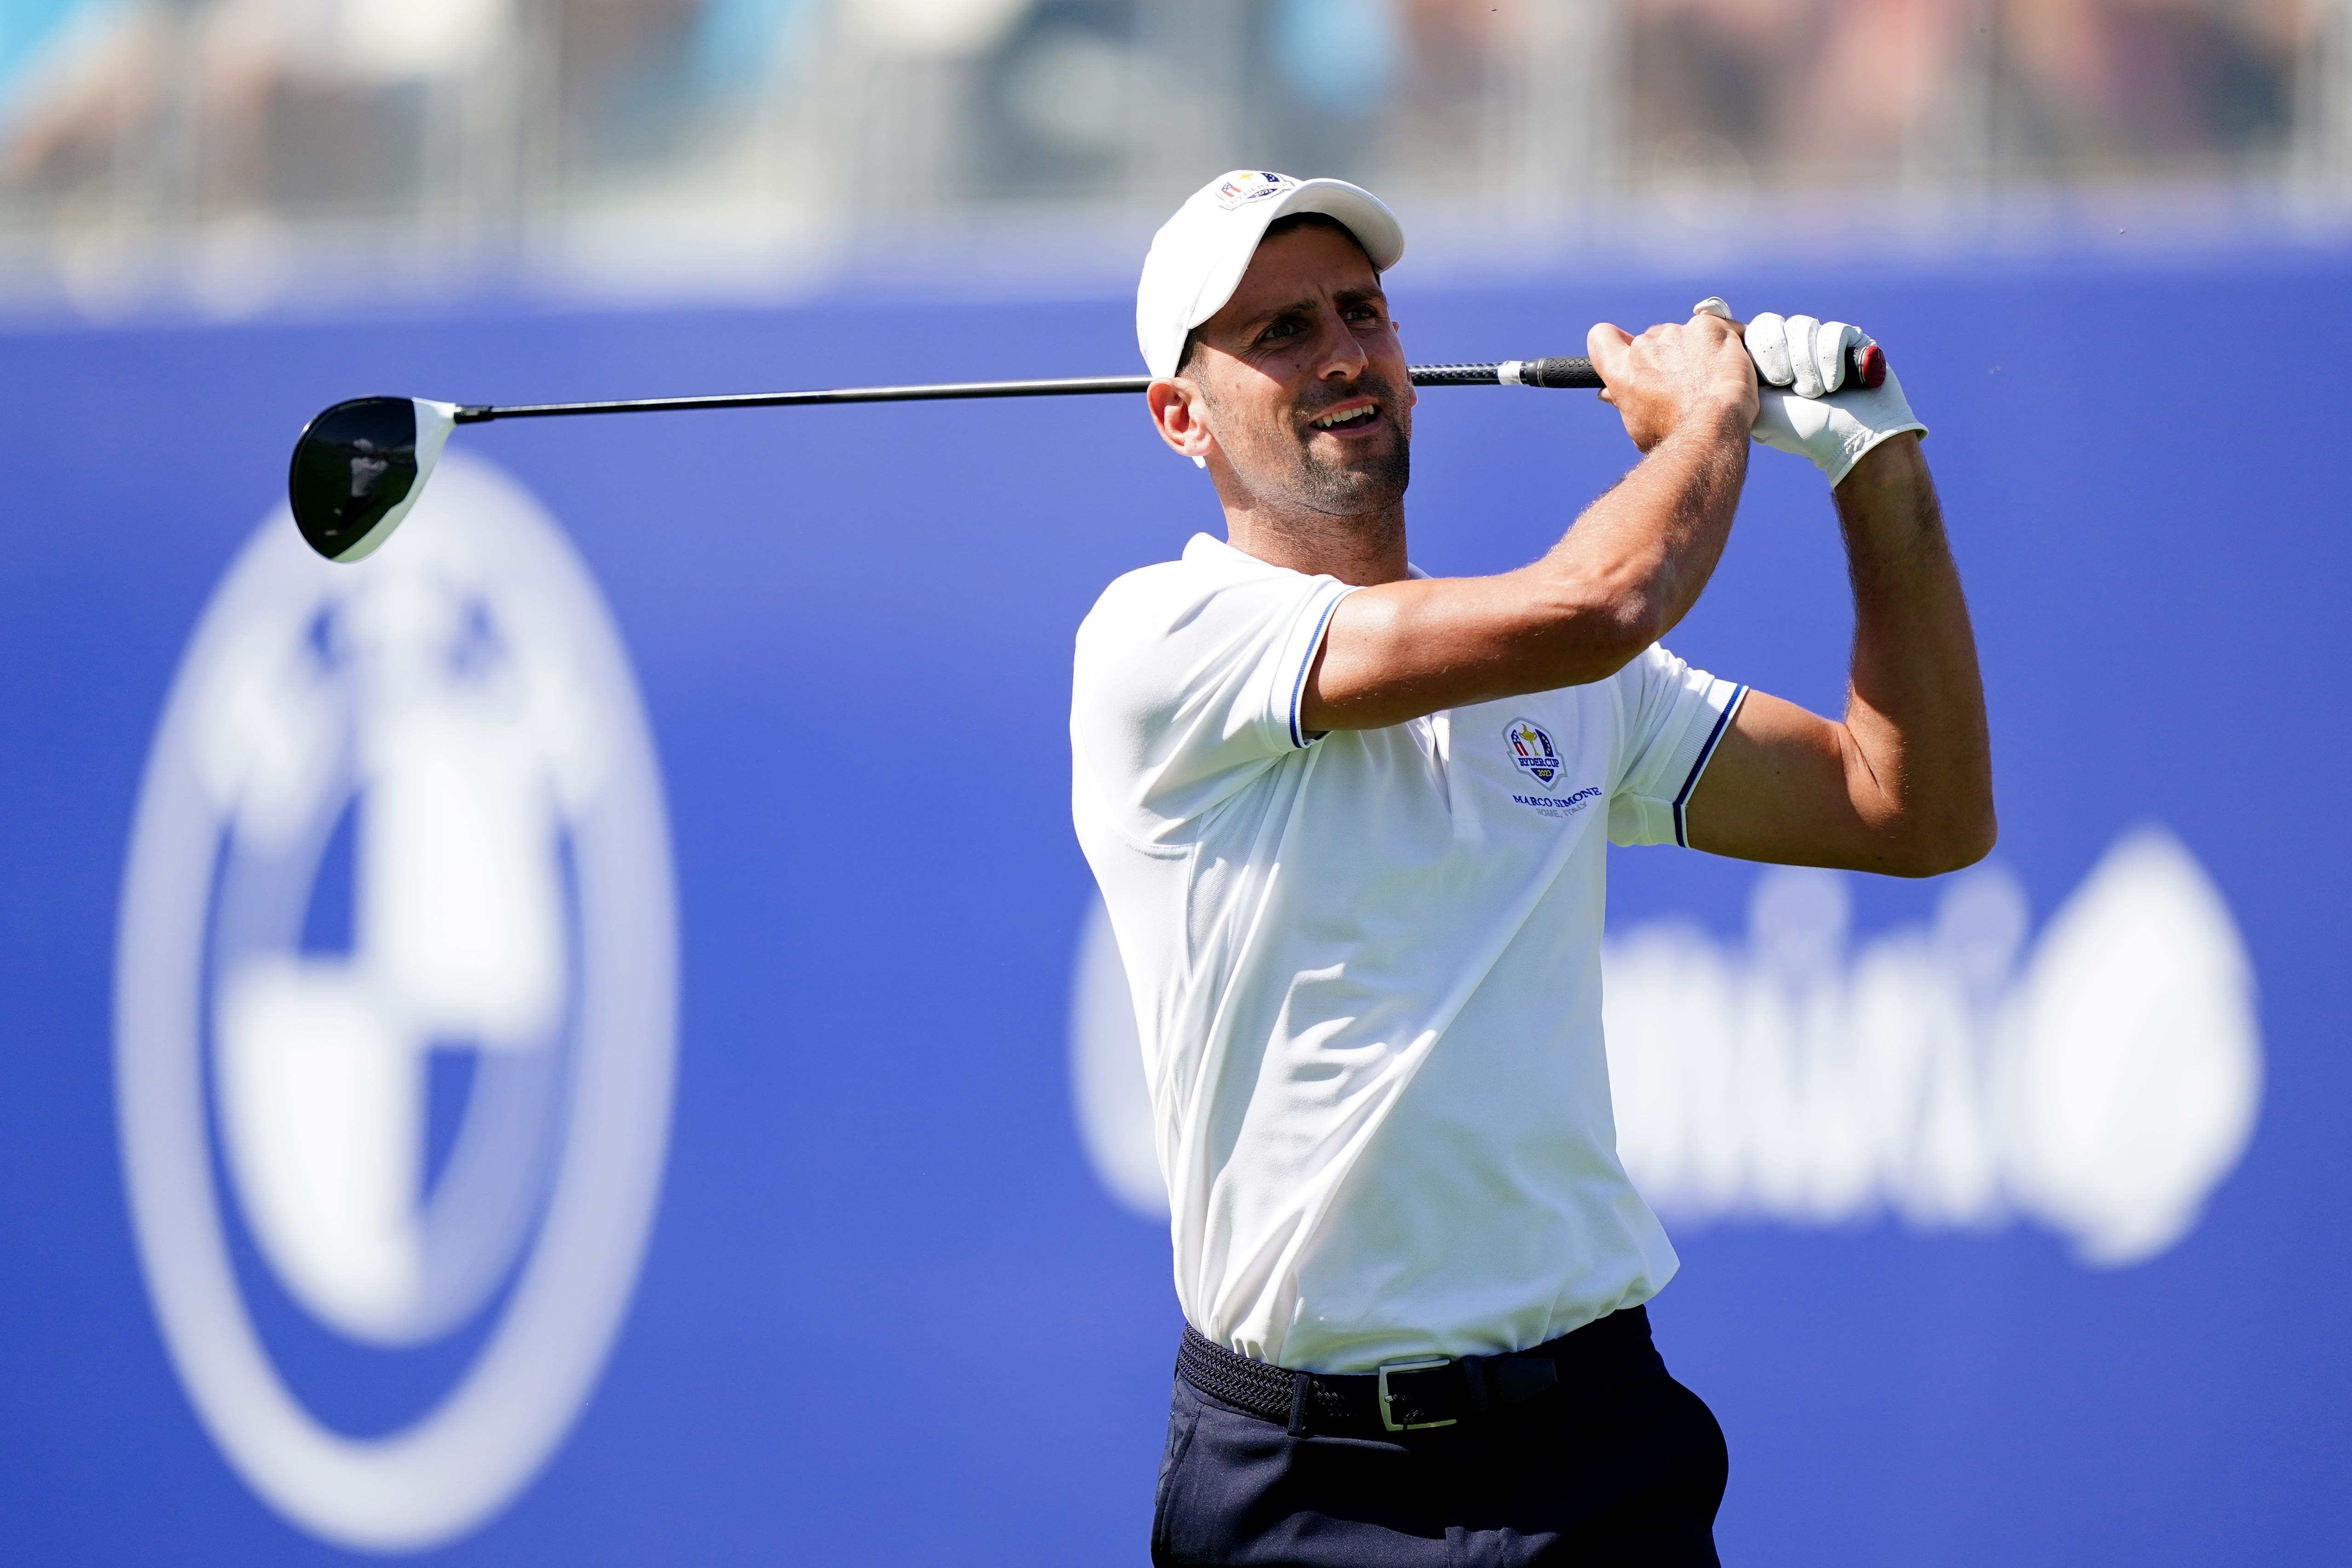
(1389, 1421)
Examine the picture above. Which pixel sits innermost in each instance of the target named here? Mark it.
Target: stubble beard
(1372, 488)
(1374, 485)
(1354, 491)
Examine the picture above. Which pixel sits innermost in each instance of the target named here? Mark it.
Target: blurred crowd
(1839, 89)
(473, 115)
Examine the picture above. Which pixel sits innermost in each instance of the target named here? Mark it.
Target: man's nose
(1342, 357)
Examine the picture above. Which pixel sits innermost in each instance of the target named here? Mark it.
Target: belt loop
(1302, 1383)
(1474, 1375)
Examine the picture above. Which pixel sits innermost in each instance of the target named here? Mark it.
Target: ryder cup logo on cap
(1199, 256)
(1252, 185)
(395, 1011)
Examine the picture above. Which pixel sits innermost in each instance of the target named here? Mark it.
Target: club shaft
(1548, 373)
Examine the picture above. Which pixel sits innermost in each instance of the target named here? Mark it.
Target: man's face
(1304, 379)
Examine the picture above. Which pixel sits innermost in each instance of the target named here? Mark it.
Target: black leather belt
(1423, 1392)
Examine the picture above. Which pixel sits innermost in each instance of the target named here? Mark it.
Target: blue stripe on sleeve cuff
(1298, 689)
(1714, 738)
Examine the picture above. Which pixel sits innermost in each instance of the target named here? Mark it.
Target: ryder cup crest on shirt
(1536, 756)
(1532, 750)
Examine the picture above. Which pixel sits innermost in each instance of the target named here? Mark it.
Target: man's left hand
(1805, 404)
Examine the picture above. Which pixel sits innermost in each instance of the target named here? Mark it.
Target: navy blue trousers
(1627, 1472)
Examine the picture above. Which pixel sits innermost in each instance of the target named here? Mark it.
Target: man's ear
(1177, 412)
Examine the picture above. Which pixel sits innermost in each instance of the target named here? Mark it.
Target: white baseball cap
(1198, 257)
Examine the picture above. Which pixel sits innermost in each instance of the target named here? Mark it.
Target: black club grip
(1863, 367)
(1510, 372)
(1565, 372)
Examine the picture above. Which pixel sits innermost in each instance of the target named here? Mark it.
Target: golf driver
(360, 466)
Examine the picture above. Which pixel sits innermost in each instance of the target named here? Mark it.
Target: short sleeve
(1188, 680)
(1669, 718)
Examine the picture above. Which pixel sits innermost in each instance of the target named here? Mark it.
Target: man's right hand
(1672, 375)
(1618, 582)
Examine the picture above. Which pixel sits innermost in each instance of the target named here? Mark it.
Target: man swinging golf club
(1350, 822)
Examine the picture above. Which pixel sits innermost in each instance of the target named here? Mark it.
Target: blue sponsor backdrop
(888, 1315)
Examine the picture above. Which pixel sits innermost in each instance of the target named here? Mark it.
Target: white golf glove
(1804, 404)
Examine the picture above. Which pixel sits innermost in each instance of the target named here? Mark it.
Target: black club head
(359, 467)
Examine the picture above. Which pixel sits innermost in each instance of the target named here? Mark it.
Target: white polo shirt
(1367, 970)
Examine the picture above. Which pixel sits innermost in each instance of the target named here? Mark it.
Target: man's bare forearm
(1629, 568)
(1914, 708)
(1644, 551)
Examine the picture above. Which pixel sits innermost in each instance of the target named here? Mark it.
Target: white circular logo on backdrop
(398, 962)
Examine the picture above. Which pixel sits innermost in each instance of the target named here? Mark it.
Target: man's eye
(1279, 329)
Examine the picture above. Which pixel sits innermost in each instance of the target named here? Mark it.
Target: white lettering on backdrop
(2100, 1081)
